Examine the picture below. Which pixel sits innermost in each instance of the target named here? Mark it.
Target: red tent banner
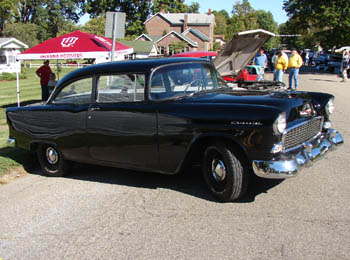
(75, 45)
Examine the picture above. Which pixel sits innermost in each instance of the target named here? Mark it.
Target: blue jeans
(293, 73)
(278, 76)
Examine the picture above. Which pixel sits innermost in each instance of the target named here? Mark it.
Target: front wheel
(51, 160)
(223, 172)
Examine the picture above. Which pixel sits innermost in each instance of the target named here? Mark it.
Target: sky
(274, 6)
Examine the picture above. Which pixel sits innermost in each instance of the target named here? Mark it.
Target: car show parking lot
(106, 213)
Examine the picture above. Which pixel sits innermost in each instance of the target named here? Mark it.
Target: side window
(77, 92)
(121, 88)
(182, 79)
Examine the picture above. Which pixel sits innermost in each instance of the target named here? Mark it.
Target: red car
(232, 61)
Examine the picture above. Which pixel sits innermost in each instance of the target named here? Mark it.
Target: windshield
(182, 80)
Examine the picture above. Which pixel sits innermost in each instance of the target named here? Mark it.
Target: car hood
(242, 47)
(292, 103)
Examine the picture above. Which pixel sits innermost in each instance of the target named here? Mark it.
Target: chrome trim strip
(289, 165)
(11, 142)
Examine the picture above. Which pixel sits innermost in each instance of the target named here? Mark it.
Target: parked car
(244, 74)
(334, 63)
(162, 115)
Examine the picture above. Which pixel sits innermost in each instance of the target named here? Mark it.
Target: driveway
(104, 213)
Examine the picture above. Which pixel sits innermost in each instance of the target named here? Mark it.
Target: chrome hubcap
(51, 155)
(218, 170)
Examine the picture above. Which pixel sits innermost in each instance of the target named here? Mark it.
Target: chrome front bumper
(11, 142)
(289, 165)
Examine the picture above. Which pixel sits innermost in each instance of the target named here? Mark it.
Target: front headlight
(330, 107)
(280, 123)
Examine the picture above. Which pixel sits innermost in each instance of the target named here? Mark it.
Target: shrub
(11, 76)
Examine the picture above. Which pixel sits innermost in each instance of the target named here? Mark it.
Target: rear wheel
(51, 161)
(223, 172)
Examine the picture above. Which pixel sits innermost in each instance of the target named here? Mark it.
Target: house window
(161, 50)
(3, 59)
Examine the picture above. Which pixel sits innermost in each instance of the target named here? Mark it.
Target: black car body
(160, 115)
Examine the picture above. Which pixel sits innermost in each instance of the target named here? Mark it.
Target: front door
(121, 126)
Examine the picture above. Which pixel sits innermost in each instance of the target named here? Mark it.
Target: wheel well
(196, 152)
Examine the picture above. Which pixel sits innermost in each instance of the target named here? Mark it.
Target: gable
(179, 36)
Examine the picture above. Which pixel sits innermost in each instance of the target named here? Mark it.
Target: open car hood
(242, 47)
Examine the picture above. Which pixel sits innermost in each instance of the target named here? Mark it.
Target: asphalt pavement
(104, 213)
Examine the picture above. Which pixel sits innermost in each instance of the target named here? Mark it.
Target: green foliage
(243, 18)
(26, 33)
(193, 8)
(49, 16)
(327, 22)
(265, 21)
(221, 23)
(169, 6)
(178, 46)
(68, 27)
(7, 9)
(165, 32)
(11, 76)
(95, 25)
(136, 12)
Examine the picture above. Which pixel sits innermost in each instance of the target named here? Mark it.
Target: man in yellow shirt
(294, 63)
(280, 67)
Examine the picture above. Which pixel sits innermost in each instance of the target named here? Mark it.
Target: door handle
(94, 108)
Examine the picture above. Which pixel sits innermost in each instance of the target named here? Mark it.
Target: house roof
(139, 46)
(6, 43)
(197, 33)
(194, 44)
(149, 37)
(192, 18)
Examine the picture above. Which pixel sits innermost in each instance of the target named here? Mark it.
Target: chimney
(209, 11)
(185, 22)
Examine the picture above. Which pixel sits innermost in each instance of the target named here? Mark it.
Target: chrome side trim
(11, 142)
(289, 165)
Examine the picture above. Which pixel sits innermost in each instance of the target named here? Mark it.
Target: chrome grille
(301, 133)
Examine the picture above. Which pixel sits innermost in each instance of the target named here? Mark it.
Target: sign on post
(119, 25)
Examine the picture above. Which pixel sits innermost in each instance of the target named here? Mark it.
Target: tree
(221, 23)
(68, 28)
(243, 18)
(25, 32)
(136, 12)
(193, 8)
(177, 47)
(327, 21)
(265, 21)
(96, 25)
(50, 15)
(7, 9)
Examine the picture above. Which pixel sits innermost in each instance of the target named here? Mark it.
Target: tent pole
(58, 73)
(17, 85)
(113, 35)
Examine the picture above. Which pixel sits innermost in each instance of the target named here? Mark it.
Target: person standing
(294, 63)
(345, 66)
(52, 83)
(280, 67)
(261, 60)
(274, 61)
(44, 73)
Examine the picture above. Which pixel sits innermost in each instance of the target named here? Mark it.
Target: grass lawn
(30, 91)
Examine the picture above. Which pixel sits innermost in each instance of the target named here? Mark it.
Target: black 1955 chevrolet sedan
(160, 115)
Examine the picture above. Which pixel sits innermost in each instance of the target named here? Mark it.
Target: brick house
(195, 31)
